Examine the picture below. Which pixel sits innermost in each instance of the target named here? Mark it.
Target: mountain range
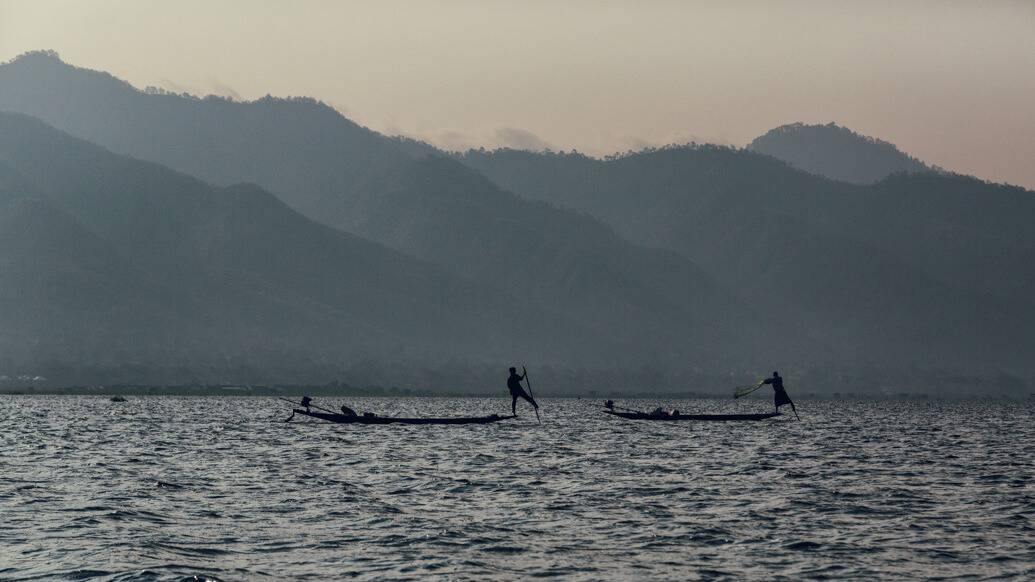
(908, 269)
(108, 258)
(304, 233)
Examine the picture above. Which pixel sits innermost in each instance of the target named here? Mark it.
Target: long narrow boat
(343, 419)
(703, 417)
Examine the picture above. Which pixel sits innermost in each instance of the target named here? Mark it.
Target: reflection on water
(168, 488)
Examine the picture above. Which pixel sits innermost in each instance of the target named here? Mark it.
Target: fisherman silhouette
(516, 391)
(780, 396)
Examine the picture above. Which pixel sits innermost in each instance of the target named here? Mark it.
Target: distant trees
(46, 53)
(836, 152)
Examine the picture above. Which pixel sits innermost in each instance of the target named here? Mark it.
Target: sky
(948, 81)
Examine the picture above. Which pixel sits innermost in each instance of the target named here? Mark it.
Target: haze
(950, 82)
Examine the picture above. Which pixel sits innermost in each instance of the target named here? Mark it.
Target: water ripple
(219, 489)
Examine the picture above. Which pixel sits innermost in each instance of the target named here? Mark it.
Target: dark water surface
(171, 488)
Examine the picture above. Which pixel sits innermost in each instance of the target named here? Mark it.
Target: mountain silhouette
(65, 288)
(682, 257)
(835, 152)
(299, 148)
(104, 247)
(444, 212)
(862, 268)
(657, 303)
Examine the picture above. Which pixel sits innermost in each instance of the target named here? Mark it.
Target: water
(173, 488)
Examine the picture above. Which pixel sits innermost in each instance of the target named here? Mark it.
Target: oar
(627, 409)
(311, 405)
(530, 395)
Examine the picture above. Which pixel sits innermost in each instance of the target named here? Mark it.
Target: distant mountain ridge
(836, 152)
(216, 139)
(869, 271)
(681, 259)
(556, 257)
(345, 176)
(109, 253)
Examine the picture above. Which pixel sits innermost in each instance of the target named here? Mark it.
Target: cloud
(212, 87)
(604, 143)
(519, 139)
(454, 140)
(217, 87)
(490, 137)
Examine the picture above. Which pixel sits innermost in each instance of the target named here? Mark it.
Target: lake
(184, 488)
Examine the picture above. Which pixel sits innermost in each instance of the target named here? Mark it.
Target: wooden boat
(361, 419)
(702, 417)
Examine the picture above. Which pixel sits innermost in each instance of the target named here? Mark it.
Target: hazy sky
(950, 82)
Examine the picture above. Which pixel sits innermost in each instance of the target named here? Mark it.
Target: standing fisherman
(780, 396)
(516, 391)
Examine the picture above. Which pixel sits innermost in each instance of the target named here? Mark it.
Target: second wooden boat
(702, 417)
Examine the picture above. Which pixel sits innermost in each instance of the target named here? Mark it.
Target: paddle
(287, 400)
(629, 409)
(311, 405)
(530, 395)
